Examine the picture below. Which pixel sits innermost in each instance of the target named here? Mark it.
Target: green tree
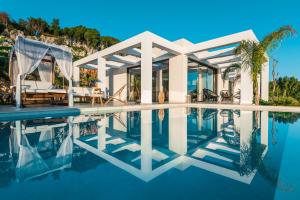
(92, 37)
(4, 53)
(107, 41)
(54, 27)
(253, 54)
(36, 26)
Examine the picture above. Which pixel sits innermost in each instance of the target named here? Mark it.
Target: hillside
(82, 40)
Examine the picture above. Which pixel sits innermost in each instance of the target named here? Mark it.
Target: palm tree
(254, 54)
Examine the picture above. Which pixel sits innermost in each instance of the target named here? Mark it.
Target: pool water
(176, 153)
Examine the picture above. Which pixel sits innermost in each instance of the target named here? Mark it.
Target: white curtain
(30, 163)
(29, 55)
(31, 52)
(45, 71)
(64, 155)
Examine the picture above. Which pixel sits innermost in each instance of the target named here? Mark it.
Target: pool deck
(10, 112)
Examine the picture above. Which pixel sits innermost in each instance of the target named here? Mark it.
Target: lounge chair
(226, 96)
(237, 95)
(117, 96)
(209, 95)
(84, 93)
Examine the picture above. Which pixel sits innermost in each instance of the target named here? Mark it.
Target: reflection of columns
(264, 125)
(178, 130)
(70, 123)
(101, 134)
(200, 119)
(178, 79)
(220, 121)
(146, 140)
(76, 131)
(146, 71)
(246, 126)
(200, 85)
(18, 131)
(101, 73)
(18, 91)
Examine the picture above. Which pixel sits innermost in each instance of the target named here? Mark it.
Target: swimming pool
(176, 153)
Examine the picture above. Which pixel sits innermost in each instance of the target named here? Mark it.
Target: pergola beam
(215, 54)
(222, 41)
(123, 59)
(215, 61)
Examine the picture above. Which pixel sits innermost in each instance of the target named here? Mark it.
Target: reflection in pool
(199, 149)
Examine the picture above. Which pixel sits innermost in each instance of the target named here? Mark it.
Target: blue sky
(196, 20)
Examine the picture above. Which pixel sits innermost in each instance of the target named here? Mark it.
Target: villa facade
(149, 64)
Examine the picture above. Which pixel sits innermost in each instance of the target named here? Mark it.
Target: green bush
(281, 101)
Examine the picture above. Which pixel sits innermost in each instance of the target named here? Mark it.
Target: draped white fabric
(31, 52)
(63, 157)
(45, 71)
(29, 55)
(30, 163)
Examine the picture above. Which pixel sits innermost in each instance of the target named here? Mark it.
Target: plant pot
(161, 97)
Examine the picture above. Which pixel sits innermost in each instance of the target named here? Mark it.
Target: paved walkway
(10, 112)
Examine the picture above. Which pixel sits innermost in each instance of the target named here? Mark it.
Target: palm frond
(273, 40)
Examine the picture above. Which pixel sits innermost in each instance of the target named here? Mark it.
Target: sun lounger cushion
(82, 91)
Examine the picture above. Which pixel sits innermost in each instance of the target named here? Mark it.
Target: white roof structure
(128, 53)
(145, 49)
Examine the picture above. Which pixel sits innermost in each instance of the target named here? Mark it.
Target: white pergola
(146, 48)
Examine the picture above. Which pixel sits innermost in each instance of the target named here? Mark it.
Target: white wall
(264, 82)
(115, 79)
(246, 87)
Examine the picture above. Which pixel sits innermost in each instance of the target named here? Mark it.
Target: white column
(178, 130)
(246, 87)
(146, 71)
(101, 73)
(146, 141)
(70, 94)
(119, 79)
(219, 83)
(264, 82)
(200, 85)
(76, 76)
(178, 79)
(18, 91)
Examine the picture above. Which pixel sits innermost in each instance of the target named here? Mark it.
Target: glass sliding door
(134, 84)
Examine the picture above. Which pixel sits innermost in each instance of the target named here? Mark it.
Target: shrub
(282, 101)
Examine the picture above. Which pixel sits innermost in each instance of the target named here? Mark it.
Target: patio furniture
(84, 93)
(39, 59)
(117, 96)
(226, 96)
(237, 95)
(209, 95)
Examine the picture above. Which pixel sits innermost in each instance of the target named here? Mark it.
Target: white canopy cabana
(27, 55)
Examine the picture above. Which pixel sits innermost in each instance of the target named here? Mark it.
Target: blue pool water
(177, 153)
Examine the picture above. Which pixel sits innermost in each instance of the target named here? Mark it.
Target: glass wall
(160, 81)
(200, 77)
